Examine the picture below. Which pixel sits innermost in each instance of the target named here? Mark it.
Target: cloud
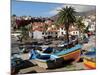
(78, 8)
(83, 8)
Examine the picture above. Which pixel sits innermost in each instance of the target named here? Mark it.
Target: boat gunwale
(65, 51)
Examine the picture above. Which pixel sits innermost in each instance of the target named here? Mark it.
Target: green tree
(66, 18)
(86, 29)
(24, 34)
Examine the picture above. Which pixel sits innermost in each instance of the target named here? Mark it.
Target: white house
(37, 34)
(61, 32)
(92, 27)
(72, 31)
(86, 21)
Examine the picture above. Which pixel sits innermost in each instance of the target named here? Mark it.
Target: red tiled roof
(73, 29)
(38, 24)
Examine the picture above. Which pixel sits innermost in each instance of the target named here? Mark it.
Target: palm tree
(66, 18)
(24, 34)
(80, 25)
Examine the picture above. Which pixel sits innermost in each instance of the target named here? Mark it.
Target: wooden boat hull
(42, 59)
(49, 63)
(72, 54)
(75, 55)
(89, 64)
(90, 60)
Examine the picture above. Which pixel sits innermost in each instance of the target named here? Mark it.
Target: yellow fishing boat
(90, 64)
(90, 60)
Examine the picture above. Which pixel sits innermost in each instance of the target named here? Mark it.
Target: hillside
(87, 13)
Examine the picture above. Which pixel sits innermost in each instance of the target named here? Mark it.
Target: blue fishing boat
(45, 60)
(57, 56)
(48, 50)
(70, 53)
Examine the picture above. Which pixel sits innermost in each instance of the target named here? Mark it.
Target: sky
(38, 9)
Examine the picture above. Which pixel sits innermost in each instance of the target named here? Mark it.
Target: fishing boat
(90, 60)
(72, 53)
(45, 60)
(51, 57)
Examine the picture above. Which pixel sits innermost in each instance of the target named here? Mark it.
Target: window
(62, 28)
(43, 33)
(55, 32)
(48, 32)
(62, 33)
(73, 32)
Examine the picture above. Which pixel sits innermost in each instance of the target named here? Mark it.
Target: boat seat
(48, 50)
